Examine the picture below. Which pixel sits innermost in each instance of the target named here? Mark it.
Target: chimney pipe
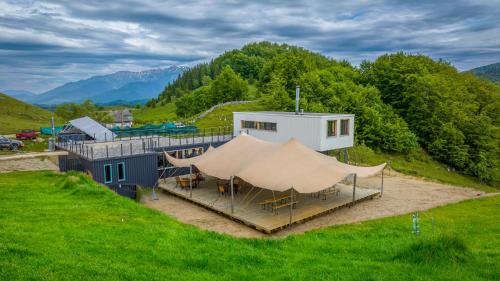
(297, 99)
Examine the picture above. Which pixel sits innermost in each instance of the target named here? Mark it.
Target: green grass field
(223, 116)
(65, 227)
(159, 114)
(16, 115)
(416, 163)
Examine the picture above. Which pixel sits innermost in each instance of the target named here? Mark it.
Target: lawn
(159, 114)
(417, 163)
(65, 227)
(16, 115)
(223, 116)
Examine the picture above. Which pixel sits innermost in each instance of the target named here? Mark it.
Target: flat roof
(305, 114)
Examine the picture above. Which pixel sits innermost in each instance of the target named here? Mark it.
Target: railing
(118, 147)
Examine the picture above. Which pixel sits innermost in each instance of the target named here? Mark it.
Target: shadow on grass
(440, 249)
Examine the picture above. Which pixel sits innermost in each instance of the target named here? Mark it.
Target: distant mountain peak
(118, 86)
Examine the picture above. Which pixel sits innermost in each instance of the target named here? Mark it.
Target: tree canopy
(400, 101)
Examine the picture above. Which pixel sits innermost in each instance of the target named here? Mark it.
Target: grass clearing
(416, 163)
(223, 116)
(159, 114)
(66, 227)
(16, 115)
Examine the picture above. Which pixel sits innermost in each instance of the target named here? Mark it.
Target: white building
(318, 131)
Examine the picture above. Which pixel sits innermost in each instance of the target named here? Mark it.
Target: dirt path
(402, 194)
(28, 164)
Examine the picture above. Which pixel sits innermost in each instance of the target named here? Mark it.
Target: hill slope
(71, 228)
(123, 85)
(16, 115)
(21, 95)
(490, 72)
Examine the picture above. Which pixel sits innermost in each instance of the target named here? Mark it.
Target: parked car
(26, 134)
(6, 143)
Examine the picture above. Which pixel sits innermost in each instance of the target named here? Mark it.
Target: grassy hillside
(223, 116)
(70, 228)
(16, 115)
(490, 72)
(417, 163)
(157, 114)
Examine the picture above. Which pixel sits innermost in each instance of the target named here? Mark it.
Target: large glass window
(332, 128)
(344, 127)
(121, 171)
(108, 173)
(266, 126)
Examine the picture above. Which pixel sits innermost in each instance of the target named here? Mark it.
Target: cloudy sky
(46, 43)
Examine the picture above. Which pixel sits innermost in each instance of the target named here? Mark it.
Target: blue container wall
(139, 170)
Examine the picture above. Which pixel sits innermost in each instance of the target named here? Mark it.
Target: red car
(26, 134)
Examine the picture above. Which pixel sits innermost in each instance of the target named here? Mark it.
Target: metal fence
(118, 147)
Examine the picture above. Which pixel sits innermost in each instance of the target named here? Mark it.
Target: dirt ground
(28, 164)
(402, 194)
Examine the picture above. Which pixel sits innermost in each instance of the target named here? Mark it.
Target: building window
(344, 127)
(248, 124)
(332, 128)
(108, 173)
(121, 171)
(265, 126)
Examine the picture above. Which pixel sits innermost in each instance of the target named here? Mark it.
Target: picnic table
(278, 202)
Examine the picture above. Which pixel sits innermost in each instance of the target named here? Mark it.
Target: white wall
(310, 130)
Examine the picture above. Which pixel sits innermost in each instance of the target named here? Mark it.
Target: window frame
(118, 172)
(110, 173)
(348, 121)
(260, 125)
(328, 127)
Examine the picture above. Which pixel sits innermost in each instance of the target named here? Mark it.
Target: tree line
(401, 101)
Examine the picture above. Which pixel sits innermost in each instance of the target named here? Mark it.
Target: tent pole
(291, 206)
(190, 181)
(382, 184)
(232, 194)
(354, 189)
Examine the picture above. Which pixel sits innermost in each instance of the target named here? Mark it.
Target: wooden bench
(276, 207)
(330, 191)
(273, 200)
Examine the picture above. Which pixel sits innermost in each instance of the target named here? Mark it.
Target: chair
(221, 188)
(184, 183)
(177, 181)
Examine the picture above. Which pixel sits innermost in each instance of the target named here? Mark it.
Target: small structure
(318, 131)
(85, 128)
(122, 163)
(121, 119)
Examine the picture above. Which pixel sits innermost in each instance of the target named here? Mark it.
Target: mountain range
(490, 72)
(120, 87)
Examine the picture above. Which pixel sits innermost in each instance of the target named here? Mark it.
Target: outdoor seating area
(269, 185)
(264, 209)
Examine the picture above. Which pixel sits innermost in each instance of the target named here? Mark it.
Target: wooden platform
(248, 211)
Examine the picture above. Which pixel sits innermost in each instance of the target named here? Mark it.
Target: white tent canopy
(274, 166)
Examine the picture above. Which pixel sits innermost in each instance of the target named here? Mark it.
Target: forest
(401, 101)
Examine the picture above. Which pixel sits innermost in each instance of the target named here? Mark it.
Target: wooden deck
(248, 211)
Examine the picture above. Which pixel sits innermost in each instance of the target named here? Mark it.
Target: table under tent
(268, 185)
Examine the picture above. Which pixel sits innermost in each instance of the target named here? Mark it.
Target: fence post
(105, 137)
(121, 149)
(107, 152)
(130, 148)
(92, 152)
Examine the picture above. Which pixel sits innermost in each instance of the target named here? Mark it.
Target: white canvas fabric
(274, 166)
(186, 162)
